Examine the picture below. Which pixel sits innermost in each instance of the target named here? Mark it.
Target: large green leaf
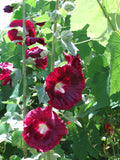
(31, 2)
(98, 81)
(114, 45)
(89, 12)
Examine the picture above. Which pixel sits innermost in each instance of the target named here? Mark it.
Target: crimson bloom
(32, 40)
(8, 9)
(13, 34)
(35, 53)
(6, 68)
(65, 84)
(43, 129)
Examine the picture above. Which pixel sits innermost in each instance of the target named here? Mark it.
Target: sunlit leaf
(114, 46)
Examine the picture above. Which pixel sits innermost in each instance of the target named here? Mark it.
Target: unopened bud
(68, 6)
(55, 16)
(66, 35)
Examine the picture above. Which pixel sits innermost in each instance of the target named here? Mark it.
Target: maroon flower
(41, 24)
(33, 40)
(8, 9)
(43, 129)
(13, 34)
(65, 84)
(35, 53)
(6, 68)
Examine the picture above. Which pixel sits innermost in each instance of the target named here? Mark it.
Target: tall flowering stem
(53, 55)
(54, 41)
(24, 76)
(106, 14)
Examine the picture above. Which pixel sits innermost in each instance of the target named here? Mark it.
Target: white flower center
(58, 87)
(43, 128)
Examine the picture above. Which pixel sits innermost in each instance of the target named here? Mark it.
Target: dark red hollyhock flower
(33, 40)
(43, 129)
(8, 9)
(65, 84)
(108, 128)
(7, 68)
(41, 24)
(35, 53)
(13, 33)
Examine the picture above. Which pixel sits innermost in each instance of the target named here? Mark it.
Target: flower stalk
(24, 76)
(106, 15)
(54, 41)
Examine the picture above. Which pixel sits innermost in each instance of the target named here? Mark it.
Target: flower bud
(55, 16)
(68, 6)
(66, 35)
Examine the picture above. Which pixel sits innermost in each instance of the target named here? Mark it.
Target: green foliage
(89, 28)
(115, 63)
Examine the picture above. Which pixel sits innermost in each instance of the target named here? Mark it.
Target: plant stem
(24, 76)
(48, 155)
(54, 41)
(106, 15)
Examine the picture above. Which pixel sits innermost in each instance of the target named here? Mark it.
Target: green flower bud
(66, 35)
(55, 16)
(68, 6)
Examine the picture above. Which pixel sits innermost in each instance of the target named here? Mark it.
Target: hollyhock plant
(6, 68)
(65, 84)
(14, 33)
(40, 60)
(43, 129)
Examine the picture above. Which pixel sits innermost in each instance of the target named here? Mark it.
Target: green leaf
(114, 46)
(83, 48)
(42, 96)
(70, 47)
(98, 73)
(31, 2)
(4, 127)
(83, 10)
(79, 138)
(17, 138)
(43, 18)
(14, 157)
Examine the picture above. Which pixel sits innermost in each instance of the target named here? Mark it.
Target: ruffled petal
(65, 84)
(55, 129)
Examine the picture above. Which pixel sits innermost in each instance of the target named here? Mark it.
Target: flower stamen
(58, 87)
(43, 128)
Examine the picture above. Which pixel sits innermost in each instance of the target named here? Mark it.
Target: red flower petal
(6, 70)
(65, 84)
(48, 138)
(33, 40)
(12, 34)
(33, 52)
(41, 62)
(41, 24)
